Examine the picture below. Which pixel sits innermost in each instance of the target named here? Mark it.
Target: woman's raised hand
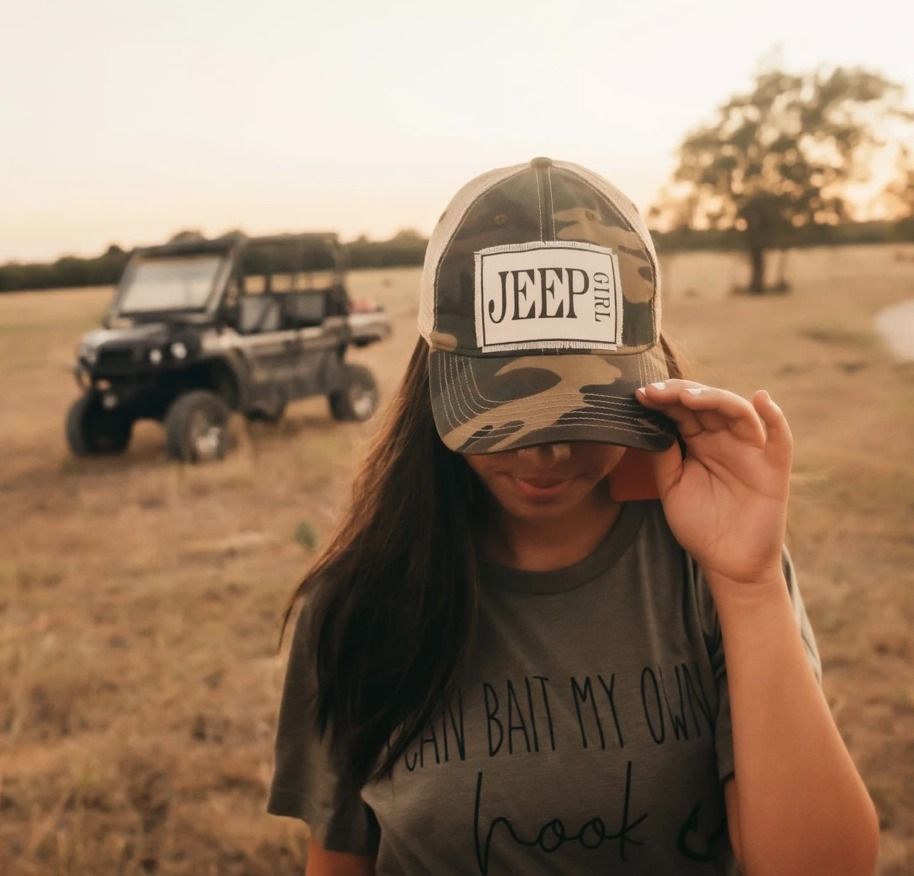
(726, 500)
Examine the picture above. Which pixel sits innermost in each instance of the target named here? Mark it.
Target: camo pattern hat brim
(540, 303)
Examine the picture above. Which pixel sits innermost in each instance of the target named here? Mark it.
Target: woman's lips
(540, 488)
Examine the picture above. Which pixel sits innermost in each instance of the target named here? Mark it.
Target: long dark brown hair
(393, 596)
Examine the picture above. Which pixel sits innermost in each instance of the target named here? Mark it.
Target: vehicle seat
(302, 309)
(258, 313)
(338, 303)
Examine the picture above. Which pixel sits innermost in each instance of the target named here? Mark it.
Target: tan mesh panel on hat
(444, 232)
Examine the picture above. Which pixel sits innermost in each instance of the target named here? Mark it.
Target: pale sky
(127, 120)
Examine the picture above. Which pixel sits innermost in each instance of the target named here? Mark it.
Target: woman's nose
(545, 454)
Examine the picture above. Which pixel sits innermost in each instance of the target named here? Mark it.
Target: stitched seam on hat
(583, 423)
(551, 202)
(471, 399)
(460, 384)
(620, 410)
(624, 411)
(479, 392)
(452, 395)
(648, 372)
(656, 370)
(462, 401)
(539, 200)
(653, 371)
(446, 393)
(444, 386)
(471, 407)
(579, 422)
(458, 381)
(444, 399)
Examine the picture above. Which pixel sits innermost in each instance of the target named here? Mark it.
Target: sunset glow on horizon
(126, 122)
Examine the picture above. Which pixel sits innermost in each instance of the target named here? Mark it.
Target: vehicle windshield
(170, 283)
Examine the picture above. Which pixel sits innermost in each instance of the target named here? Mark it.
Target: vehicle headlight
(87, 352)
(179, 350)
(155, 356)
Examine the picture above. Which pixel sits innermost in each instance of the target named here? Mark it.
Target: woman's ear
(632, 480)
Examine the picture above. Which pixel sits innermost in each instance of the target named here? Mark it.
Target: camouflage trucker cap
(540, 303)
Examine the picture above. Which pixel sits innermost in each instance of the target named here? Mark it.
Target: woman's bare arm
(797, 804)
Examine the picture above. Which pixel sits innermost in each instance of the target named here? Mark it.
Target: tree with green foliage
(782, 156)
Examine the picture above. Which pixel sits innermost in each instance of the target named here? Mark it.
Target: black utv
(200, 328)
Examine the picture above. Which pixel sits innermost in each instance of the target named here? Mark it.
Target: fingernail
(641, 390)
(694, 390)
(660, 385)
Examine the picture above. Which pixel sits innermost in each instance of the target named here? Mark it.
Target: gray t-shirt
(591, 734)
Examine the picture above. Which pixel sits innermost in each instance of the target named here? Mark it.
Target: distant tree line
(843, 234)
(408, 249)
(403, 249)
(68, 271)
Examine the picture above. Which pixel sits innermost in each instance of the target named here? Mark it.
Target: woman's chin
(532, 501)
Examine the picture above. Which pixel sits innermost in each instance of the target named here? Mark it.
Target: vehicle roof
(228, 242)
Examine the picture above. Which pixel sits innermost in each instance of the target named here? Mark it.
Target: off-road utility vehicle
(200, 328)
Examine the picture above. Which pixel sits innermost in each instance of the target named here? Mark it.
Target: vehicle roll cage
(248, 257)
(272, 253)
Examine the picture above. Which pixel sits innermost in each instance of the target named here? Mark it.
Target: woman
(557, 630)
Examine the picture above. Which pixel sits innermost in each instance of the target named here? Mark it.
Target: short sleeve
(714, 639)
(305, 784)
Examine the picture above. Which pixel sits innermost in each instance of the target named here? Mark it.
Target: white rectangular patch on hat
(548, 294)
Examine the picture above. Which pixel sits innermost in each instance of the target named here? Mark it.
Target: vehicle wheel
(358, 399)
(93, 431)
(272, 414)
(196, 427)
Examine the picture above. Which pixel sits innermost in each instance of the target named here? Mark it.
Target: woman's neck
(549, 543)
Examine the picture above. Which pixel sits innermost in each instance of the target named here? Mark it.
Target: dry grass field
(140, 600)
